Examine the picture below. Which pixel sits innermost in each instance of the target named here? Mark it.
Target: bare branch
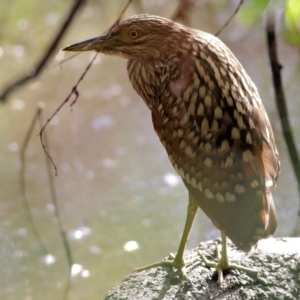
(75, 92)
(43, 61)
(57, 213)
(25, 203)
(280, 99)
(230, 18)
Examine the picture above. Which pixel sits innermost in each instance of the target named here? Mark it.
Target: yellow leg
(178, 262)
(223, 261)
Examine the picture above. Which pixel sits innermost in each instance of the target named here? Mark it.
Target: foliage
(292, 22)
(254, 10)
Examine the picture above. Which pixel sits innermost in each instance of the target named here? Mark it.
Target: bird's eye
(133, 34)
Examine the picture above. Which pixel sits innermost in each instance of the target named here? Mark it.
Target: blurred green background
(115, 183)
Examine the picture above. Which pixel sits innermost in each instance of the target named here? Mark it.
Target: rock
(279, 260)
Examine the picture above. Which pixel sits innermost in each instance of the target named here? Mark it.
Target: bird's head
(139, 37)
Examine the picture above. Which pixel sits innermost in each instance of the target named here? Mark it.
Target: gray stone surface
(279, 260)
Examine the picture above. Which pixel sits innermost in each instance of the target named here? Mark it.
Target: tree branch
(43, 61)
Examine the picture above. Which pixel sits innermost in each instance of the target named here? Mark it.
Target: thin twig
(117, 22)
(230, 18)
(57, 214)
(23, 183)
(74, 92)
(43, 61)
(280, 98)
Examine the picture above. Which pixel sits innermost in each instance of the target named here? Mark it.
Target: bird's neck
(150, 77)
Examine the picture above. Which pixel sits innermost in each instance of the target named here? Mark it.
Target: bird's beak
(98, 44)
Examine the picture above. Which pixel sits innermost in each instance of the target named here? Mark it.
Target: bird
(209, 117)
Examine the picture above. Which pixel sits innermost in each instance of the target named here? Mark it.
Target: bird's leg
(223, 261)
(178, 262)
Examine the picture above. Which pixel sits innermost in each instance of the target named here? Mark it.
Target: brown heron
(209, 117)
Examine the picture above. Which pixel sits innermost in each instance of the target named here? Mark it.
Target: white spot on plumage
(222, 71)
(224, 146)
(176, 168)
(214, 125)
(269, 183)
(196, 140)
(233, 93)
(187, 93)
(203, 56)
(220, 197)
(251, 123)
(196, 82)
(235, 133)
(239, 189)
(207, 101)
(234, 81)
(229, 101)
(179, 100)
(235, 114)
(230, 197)
(165, 120)
(207, 162)
(194, 97)
(207, 147)
(199, 186)
(254, 184)
(191, 135)
(192, 108)
(211, 84)
(204, 126)
(182, 144)
(241, 123)
(267, 134)
(187, 177)
(218, 113)
(248, 138)
(186, 46)
(240, 107)
(184, 119)
(202, 91)
(227, 163)
(247, 156)
(180, 132)
(200, 110)
(193, 182)
(189, 152)
(208, 194)
(181, 172)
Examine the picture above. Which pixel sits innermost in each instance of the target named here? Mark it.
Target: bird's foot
(224, 264)
(174, 262)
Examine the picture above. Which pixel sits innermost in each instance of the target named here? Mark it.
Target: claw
(223, 262)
